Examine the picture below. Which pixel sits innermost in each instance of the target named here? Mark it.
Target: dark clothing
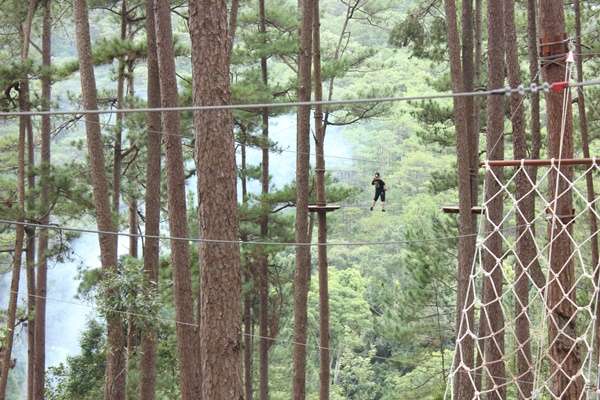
(379, 183)
(379, 189)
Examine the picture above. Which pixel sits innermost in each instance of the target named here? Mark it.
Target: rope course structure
(546, 299)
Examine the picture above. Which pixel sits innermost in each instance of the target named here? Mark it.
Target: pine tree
(115, 363)
(466, 243)
(526, 253)
(561, 277)
(494, 346)
(220, 292)
(187, 340)
(39, 366)
(152, 205)
(585, 144)
(302, 273)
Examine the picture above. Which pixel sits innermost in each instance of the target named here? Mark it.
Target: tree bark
(302, 273)
(25, 122)
(263, 260)
(468, 71)
(248, 322)
(152, 206)
(525, 246)
(324, 352)
(563, 354)
(589, 178)
(220, 294)
(463, 360)
(187, 340)
(492, 251)
(247, 273)
(39, 379)
(115, 358)
(117, 153)
(11, 312)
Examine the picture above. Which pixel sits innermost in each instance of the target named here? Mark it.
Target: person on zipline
(379, 191)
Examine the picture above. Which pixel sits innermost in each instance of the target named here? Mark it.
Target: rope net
(528, 326)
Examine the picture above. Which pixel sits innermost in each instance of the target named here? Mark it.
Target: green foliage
(82, 376)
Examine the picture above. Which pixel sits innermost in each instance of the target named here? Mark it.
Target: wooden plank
(325, 208)
(455, 210)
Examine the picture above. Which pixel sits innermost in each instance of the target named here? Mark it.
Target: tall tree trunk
(263, 261)
(562, 321)
(11, 313)
(474, 153)
(302, 274)
(526, 250)
(187, 340)
(220, 294)
(152, 206)
(248, 322)
(492, 252)
(115, 358)
(30, 246)
(247, 315)
(463, 360)
(133, 228)
(117, 154)
(24, 105)
(532, 49)
(39, 379)
(468, 71)
(325, 357)
(589, 179)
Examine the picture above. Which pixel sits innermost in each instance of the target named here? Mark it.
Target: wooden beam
(325, 208)
(455, 210)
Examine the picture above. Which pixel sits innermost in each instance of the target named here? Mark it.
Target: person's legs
(383, 201)
(377, 194)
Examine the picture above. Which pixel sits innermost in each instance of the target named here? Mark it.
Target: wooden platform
(325, 208)
(454, 210)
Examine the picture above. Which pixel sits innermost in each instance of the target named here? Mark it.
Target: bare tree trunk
(25, 123)
(152, 206)
(117, 154)
(324, 352)
(187, 340)
(39, 379)
(247, 273)
(302, 274)
(30, 247)
(248, 322)
(492, 253)
(220, 294)
(115, 358)
(263, 261)
(468, 71)
(589, 179)
(11, 313)
(526, 250)
(462, 387)
(562, 322)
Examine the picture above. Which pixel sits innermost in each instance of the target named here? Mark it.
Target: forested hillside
(186, 199)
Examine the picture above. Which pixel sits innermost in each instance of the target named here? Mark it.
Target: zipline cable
(238, 242)
(504, 91)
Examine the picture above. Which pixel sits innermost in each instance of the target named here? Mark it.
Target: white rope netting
(528, 323)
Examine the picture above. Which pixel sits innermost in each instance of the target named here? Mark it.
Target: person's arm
(373, 181)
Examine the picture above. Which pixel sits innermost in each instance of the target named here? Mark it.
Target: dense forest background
(392, 304)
